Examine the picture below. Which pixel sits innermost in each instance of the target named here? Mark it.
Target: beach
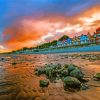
(19, 82)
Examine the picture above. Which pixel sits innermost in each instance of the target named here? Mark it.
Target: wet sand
(19, 82)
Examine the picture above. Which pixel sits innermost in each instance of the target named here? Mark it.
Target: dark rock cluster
(71, 75)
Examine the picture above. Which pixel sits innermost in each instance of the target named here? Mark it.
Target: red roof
(98, 29)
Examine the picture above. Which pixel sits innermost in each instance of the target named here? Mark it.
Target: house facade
(76, 41)
(69, 41)
(59, 44)
(98, 35)
(84, 39)
(91, 38)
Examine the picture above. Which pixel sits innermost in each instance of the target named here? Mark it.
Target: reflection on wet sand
(19, 82)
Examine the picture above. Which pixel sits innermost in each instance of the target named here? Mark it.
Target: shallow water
(18, 81)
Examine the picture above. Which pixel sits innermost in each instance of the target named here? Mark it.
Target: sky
(28, 23)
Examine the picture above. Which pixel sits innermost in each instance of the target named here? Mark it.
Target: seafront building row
(80, 40)
(70, 42)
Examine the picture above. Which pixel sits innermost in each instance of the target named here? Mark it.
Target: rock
(48, 72)
(52, 72)
(84, 87)
(97, 76)
(56, 66)
(55, 73)
(71, 67)
(77, 73)
(84, 80)
(47, 65)
(70, 74)
(71, 82)
(1, 59)
(14, 63)
(64, 73)
(40, 71)
(65, 66)
(44, 83)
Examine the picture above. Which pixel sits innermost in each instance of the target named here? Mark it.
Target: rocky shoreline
(71, 75)
(20, 77)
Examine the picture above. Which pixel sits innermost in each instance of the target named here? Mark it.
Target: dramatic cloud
(46, 21)
(1, 47)
(27, 32)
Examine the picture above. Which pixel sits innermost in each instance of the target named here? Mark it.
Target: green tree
(63, 38)
(25, 48)
(53, 43)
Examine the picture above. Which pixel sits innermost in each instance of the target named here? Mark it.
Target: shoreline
(91, 48)
(22, 72)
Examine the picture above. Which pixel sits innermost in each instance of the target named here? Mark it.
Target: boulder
(56, 66)
(52, 70)
(77, 73)
(97, 76)
(47, 65)
(71, 82)
(52, 74)
(71, 67)
(84, 87)
(65, 66)
(40, 71)
(83, 80)
(64, 73)
(44, 83)
(48, 71)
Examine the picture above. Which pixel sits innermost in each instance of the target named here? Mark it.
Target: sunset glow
(27, 23)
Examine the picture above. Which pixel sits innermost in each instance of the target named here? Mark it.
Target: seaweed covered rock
(71, 67)
(52, 74)
(71, 82)
(69, 74)
(44, 83)
(84, 87)
(77, 73)
(39, 71)
(48, 72)
(97, 76)
(65, 66)
(56, 66)
(64, 73)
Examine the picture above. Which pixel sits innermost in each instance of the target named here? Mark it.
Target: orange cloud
(30, 32)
